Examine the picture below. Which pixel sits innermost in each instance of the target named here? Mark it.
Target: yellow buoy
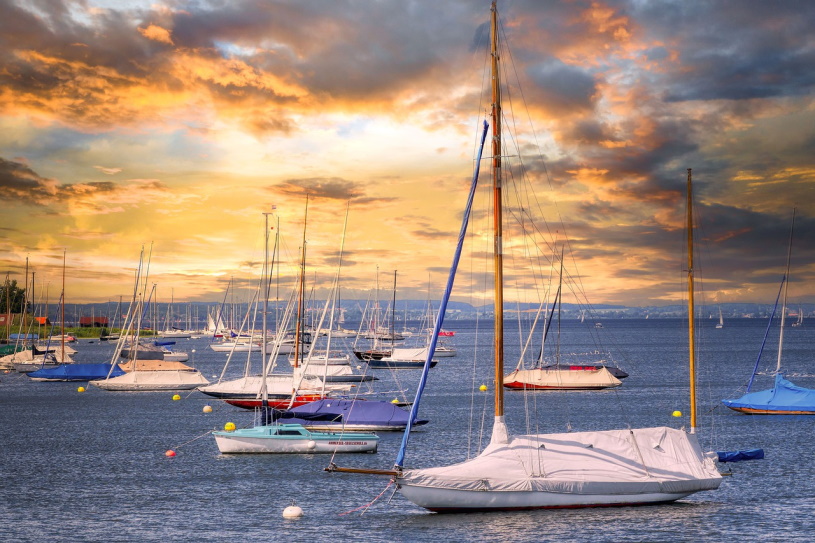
(207, 409)
(229, 426)
(677, 413)
(81, 389)
(176, 397)
(483, 388)
(395, 400)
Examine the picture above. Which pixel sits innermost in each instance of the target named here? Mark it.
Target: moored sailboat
(293, 439)
(575, 469)
(784, 398)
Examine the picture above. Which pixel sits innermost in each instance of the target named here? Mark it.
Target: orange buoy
(170, 453)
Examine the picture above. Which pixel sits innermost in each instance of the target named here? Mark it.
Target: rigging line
(193, 439)
(766, 333)
(368, 505)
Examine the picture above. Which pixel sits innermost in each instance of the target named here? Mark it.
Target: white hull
(240, 347)
(235, 444)
(28, 367)
(176, 357)
(176, 334)
(292, 439)
(320, 361)
(446, 500)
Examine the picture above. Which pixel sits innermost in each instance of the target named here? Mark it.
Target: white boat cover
(153, 380)
(555, 378)
(276, 384)
(403, 353)
(155, 365)
(612, 462)
(31, 361)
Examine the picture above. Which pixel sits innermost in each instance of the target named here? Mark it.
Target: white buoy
(292, 511)
(311, 445)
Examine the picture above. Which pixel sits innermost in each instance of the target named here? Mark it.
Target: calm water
(91, 466)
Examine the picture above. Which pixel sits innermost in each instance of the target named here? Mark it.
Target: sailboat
(575, 469)
(293, 439)
(271, 436)
(55, 353)
(800, 321)
(720, 324)
(785, 398)
(265, 388)
(557, 376)
(144, 375)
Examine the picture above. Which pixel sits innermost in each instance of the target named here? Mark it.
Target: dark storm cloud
(562, 87)
(735, 50)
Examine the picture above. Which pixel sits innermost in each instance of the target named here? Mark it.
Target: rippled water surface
(91, 466)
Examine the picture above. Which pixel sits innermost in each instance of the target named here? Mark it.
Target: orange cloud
(156, 33)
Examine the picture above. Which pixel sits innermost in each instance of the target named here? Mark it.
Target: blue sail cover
(740, 456)
(348, 412)
(783, 398)
(75, 372)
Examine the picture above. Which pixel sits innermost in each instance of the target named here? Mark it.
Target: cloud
(331, 188)
(108, 171)
(157, 33)
(21, 185)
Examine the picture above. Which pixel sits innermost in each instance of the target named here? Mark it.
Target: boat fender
(311, 445)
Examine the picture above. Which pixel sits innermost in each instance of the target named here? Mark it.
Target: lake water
(91, 466)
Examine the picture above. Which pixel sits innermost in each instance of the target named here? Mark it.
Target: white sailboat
(150, 374)
(800, 320)
(575, 469)
(720, 324)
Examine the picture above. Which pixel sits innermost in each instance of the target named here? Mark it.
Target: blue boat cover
(76, 372)
(347, 412)
(24, 336)
(740, 456)
(784, 396)
(159, 343)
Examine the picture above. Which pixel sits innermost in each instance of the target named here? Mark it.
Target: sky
(175, 125)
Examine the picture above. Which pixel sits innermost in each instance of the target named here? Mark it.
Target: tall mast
(297, 327)
(393, 312)
(265, 286)
(497, 217)
(62, 312)
(784, 299)
(25, 297)
(691, 331)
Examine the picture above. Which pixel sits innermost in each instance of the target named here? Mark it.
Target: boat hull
(293, 439)
(384, 363)
(275, 403)
(442, 500)
(561, 379)
(756, 411)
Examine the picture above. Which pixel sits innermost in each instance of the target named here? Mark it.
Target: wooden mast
(297, 327)
(497, 217)
(691, 329)
(62, 312)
